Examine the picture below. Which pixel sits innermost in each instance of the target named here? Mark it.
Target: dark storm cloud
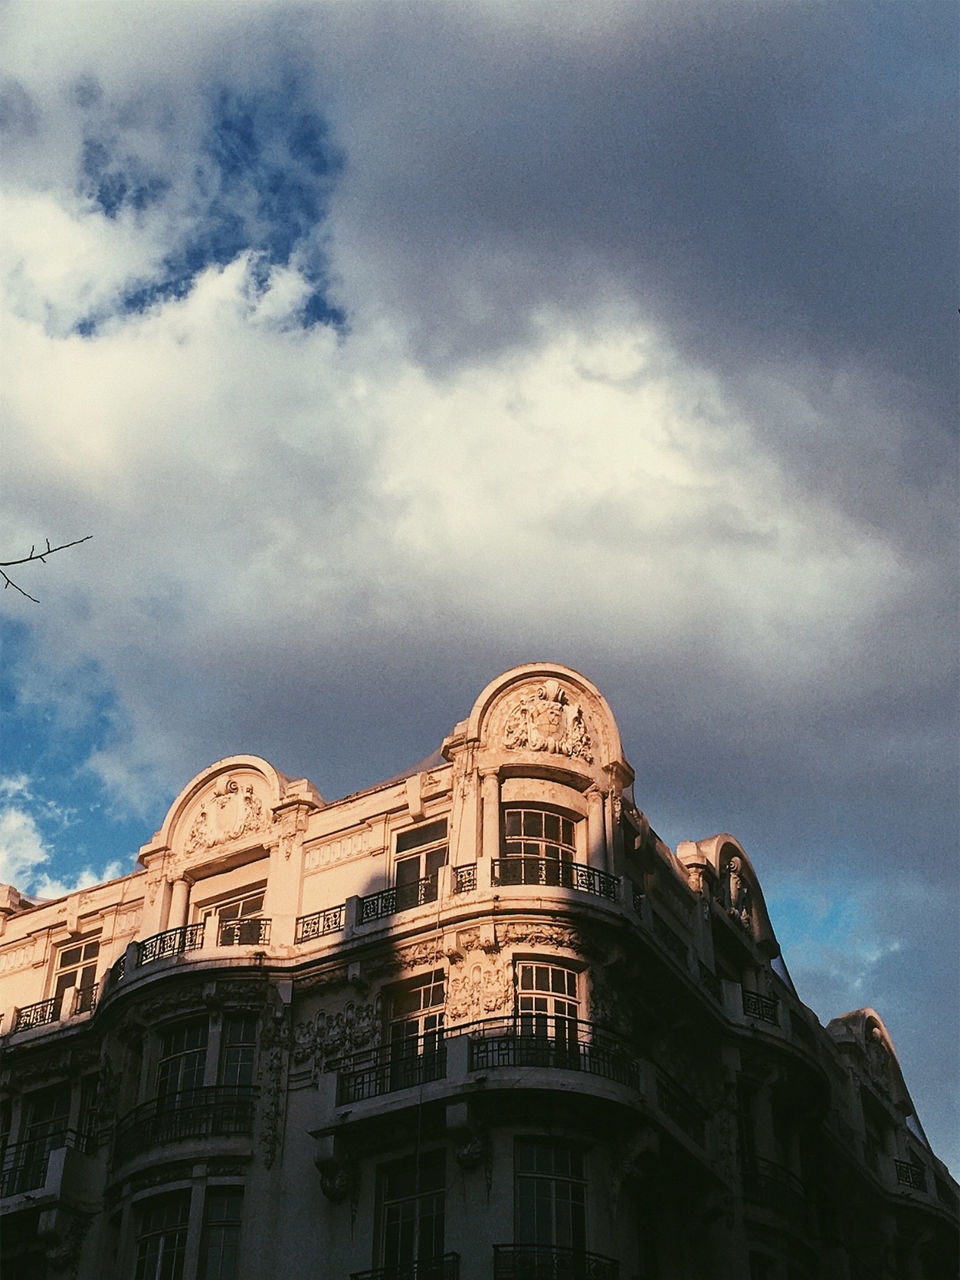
(765, 180)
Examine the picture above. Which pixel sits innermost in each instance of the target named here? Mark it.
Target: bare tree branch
(35, 555)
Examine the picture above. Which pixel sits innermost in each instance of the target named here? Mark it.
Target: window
(162, 1236)
(421, 853)
(539, 846)
(238, 921)
(77, 967)
(183, 1058)
(551, 1191)
(220, 1242)
(411, 1212)
(416, 1031)
(239, 1049)
(548, 1008)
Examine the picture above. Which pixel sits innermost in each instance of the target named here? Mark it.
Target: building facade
(475, 1023)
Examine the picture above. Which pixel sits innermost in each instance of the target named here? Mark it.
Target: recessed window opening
(539, 847)
(551, 1194)
(162, 1237)
(220, 1242)
(415, 1016)
(183, 1058)
(548, 1006)
(238, 1049)
(237, 920)
(420, 854)
(77, 967)
(412, 1212)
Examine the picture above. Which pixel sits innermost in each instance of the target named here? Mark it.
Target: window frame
(418, 854)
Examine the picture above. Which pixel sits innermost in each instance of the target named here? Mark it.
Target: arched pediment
(542, 715)
(736, 885)
(228, 807)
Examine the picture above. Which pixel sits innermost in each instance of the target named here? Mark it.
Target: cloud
(382, 347)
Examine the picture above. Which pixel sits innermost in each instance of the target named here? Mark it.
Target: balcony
(85, 999)
(253, 932)
(172, 942)
(36, 1015)
(550, 1262)
(391, 1067)
(553, 872)
(445, 1268)
(218, 1111)
(320, 923)
(777, 1190)
(911, 1175)
(399, 897)
(762, 1007)
(465, 878)
(24, 1165)
(551, 1043)
(676, 1103)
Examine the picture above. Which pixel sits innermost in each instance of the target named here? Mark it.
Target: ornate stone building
(477, 1022)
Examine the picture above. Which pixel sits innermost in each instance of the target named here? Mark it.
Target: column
(490, 796)
(596, 831)
(179, 902)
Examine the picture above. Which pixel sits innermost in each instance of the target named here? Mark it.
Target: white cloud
(22, 849)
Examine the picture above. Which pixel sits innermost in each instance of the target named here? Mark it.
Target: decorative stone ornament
(545, 719)
(230, 810)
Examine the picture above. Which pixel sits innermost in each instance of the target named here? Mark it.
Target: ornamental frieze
(546, 719)
(483, 991)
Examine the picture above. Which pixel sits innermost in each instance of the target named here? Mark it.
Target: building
(475, 1023)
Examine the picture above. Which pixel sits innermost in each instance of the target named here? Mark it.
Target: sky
(383, 347)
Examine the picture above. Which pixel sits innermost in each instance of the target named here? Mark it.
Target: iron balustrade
(252, 932)
(763, 1007)
(637, 898)
(172, 942)
(551, 1262)
(446, 1267)
(24, 1164)
(85, 999)
(777, 1190)
(549, 1041)
(465, 878)
(551, 871)
(374, 1072)
(710, 981)
(216, 1111)
(398, 897)
(316, 925)
(37, 1015)
(676, 1103)
(911, 1175)
(670, 939)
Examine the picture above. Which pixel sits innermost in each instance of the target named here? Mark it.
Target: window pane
(220, 1244)
(419, 836)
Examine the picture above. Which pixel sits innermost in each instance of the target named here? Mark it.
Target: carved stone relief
(230, 810)
(545, 719)
(275, 1045)
(481, 990)
(736, 896)
(353, 1028)
(542, 935)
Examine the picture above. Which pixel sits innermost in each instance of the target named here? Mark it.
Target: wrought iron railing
(685, 1113)
(391, 1067)
(911, 1175)
(550, 1262)
(465, 878)
(551, 871)
(670, 939)
(172, 942)
(36, 1015)
(24, 1164)
(777, 1190)
(710, 982)
(763, 1007)
(217, 1111)
(316, 925)
(637, 897)
(252, 932)
(446, 1267)
(551, 1042)
(85, 999)
(398, 897)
